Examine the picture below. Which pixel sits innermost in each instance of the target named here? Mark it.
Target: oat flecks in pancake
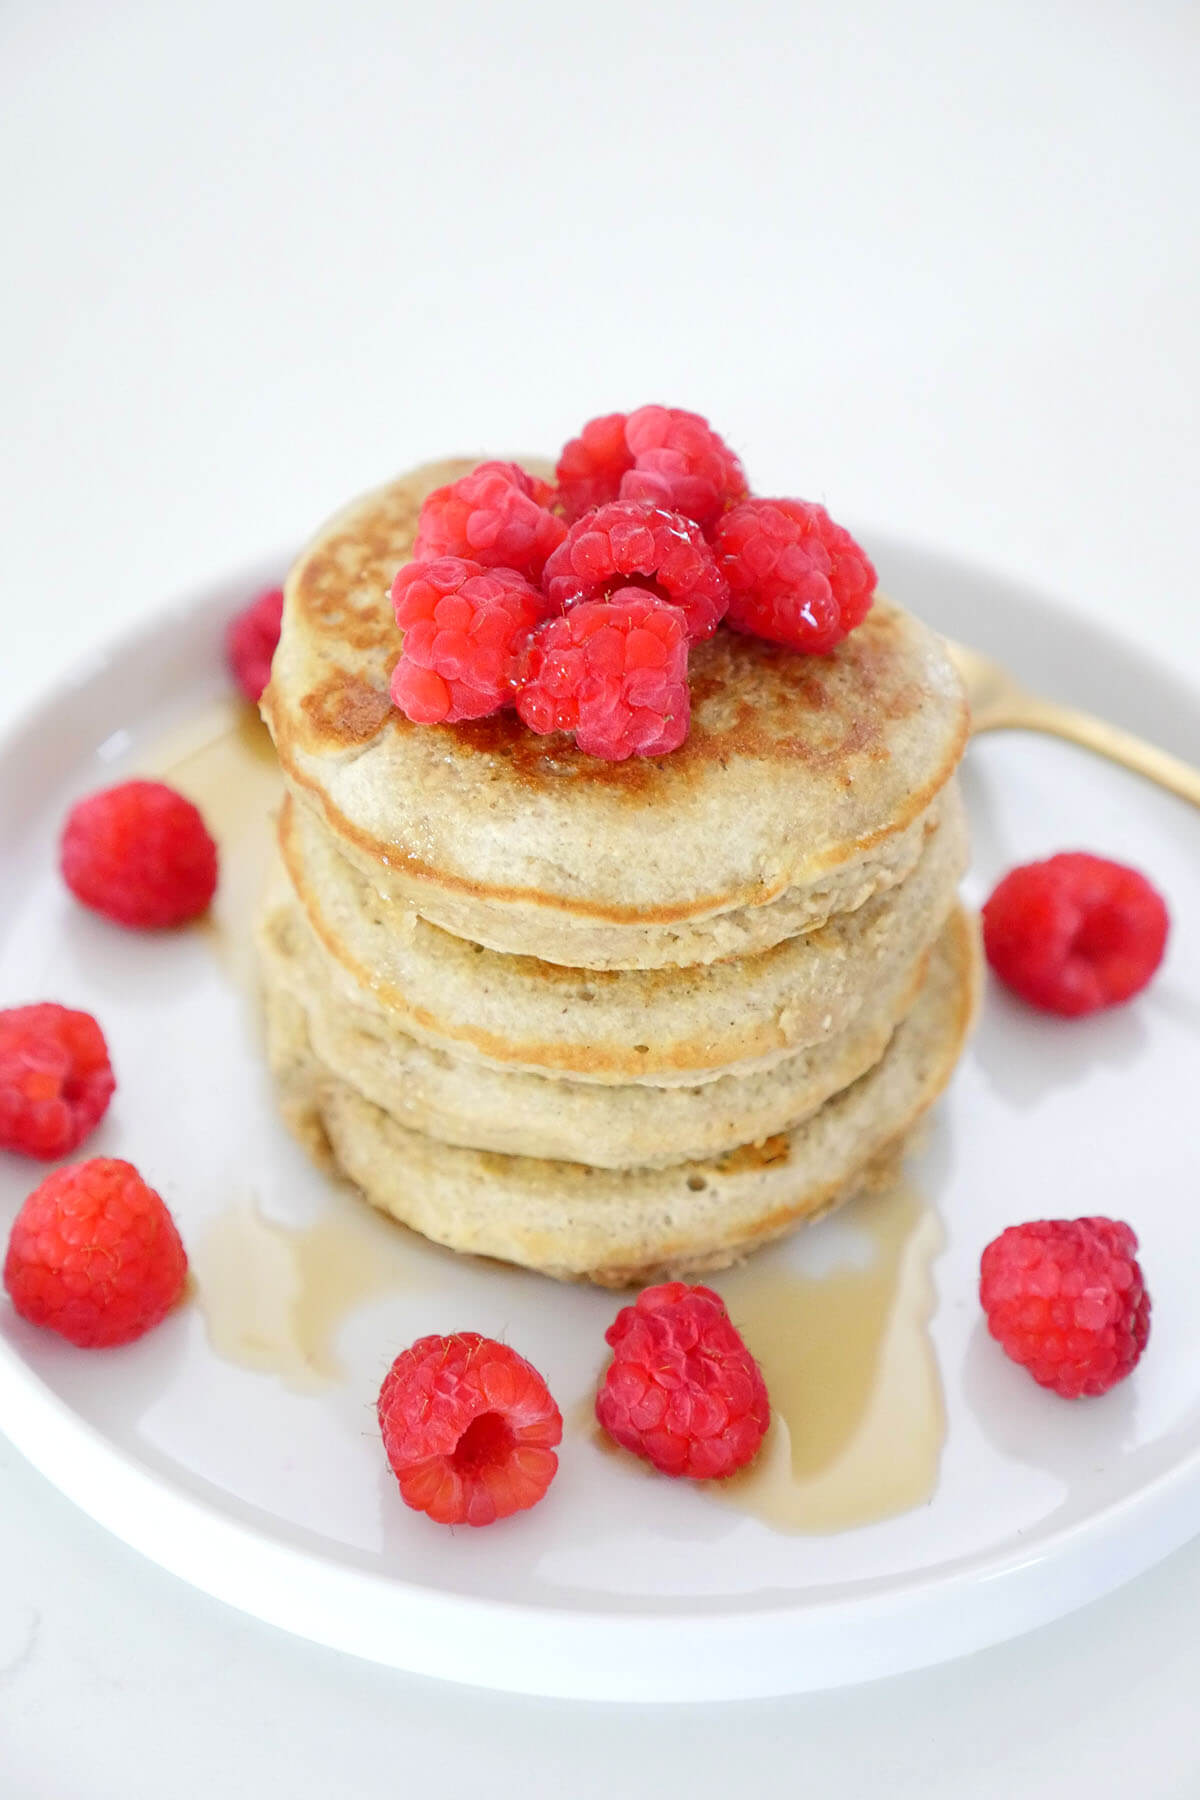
(629, 1126)
(620, 1227)
(656, 1025)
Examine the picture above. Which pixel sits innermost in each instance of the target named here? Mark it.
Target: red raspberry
(469, 1428)
(94, 1255)
(497, 515)
(658, 453)
(140, 854)
(680, 463)
(250, 641)
(591, 466)
(1075, 933)
(1066, 1299)
(795, 577)
(634, 542)
(682, 1389)
(465, 628)
(55, 1079)
(615, 673)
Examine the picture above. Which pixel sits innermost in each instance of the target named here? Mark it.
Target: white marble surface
(936, 264)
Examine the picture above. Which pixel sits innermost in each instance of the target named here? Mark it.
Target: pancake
(618, 1228)
(475, 1107)
(660, 1026)
(795, 796)
(743, 931)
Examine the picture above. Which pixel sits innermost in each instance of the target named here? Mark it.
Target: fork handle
(1170, 772)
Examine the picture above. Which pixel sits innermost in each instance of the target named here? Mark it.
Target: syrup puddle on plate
(857, 1414)
(224, 761)
(274, 1296)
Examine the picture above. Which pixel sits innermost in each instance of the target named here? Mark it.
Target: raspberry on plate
(465, 628)
(94, 1255)
(250, 641)
(591, 466)
(1065, 1298)
(638, 543)
(469, 1428)
(1075, 933)
(498, 515)
(680, 463)
(795, 577)
(682, 1390)
(55, 1079)
(140, 854)
(612, 671)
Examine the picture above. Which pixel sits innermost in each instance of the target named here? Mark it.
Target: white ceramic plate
(618, 1586)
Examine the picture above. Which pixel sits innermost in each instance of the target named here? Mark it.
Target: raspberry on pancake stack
(615, 929)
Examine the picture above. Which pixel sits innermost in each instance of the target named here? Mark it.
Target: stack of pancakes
(610, 1020)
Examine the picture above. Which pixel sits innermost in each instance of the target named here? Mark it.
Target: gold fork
(1000, 703)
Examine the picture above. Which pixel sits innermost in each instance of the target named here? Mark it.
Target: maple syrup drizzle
(858, 1416)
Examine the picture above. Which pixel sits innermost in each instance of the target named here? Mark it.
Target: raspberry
(680, 463)
(250, 641)
(94, 1255)
(497, 515)
(469, 1428)
(591, 466)
(1075, 933)
(795, 577)
(1066, 1299)
(634, 542)
(658, 453)
(465, 628)
(140, 854)
(55, 1079)
(615, 673)
(682, 1389)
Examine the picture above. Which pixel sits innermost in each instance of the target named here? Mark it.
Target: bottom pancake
(621, 1227)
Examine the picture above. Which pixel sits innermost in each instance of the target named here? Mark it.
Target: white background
(934, 264)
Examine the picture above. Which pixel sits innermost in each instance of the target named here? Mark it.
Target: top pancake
(797, 794)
